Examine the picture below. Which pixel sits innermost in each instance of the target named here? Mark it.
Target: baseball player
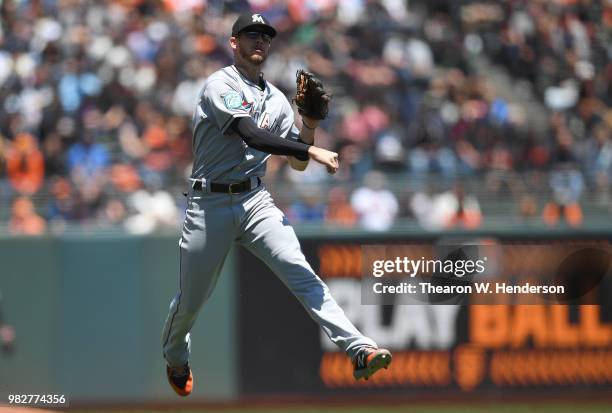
(239, 121)
(7, 333)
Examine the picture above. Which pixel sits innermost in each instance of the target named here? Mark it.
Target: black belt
(235, 188)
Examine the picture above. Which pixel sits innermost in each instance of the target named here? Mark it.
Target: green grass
(484, 408)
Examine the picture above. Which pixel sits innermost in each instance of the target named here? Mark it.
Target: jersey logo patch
(265, 121)
(232, 100)
(257, 19)
(247, 105)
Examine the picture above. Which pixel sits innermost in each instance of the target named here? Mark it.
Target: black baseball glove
(311, 98)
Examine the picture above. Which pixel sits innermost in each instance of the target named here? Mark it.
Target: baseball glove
(310, 98)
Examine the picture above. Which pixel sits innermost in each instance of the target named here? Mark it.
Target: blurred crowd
(97, 97)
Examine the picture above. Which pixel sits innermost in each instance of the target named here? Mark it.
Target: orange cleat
(369, 360)
(181, 379)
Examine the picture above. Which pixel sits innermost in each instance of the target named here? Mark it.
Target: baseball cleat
(181, 379)
(369, 360)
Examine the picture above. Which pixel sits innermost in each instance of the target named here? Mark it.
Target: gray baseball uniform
(216, 220)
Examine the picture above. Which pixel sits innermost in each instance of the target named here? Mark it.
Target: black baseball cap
(253, 21)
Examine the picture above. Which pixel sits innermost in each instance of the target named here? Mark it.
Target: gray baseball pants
(212, 223)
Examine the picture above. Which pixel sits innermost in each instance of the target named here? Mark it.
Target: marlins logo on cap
(253, 22)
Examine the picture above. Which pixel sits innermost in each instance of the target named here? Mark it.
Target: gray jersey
(220, 155)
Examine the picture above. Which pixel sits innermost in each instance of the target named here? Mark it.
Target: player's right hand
(325, 157)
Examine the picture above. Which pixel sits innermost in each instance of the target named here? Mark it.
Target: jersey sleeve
(288, 128)
(223, 102)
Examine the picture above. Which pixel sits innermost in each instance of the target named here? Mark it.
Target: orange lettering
(594, 333)
(529, 321)
(562, 332)
(489, 325)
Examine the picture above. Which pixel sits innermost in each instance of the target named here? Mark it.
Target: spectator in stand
(55, 155)
(376, 206)
(502, 176)
(154, 209)
(598, 162)
(125, 178)
(339, 210)
(4, 186)
(3, 148)
(422, 207)
(158, 158)
(567, 185)
(465, 210)
(87, 160)
(430, 153)
(309, 207)
(62, 206)
(25, 164)
(566, 180)
(527, 208)
(24, 219)
(389, 153)
(446, 210)
(114, 213)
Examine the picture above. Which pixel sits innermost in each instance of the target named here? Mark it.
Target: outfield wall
(88, 311)
(454, 350)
